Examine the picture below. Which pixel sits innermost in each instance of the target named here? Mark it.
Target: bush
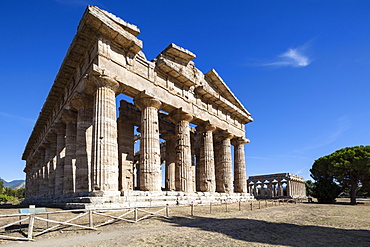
(6, 198)
(325, 191)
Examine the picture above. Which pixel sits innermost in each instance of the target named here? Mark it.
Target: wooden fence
(92, 219)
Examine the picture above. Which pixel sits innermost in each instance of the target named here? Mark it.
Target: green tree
(1, 187)
(349, 167)
(309, 187)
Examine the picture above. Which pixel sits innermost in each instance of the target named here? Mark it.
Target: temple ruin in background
(183, 120)
(277, 186)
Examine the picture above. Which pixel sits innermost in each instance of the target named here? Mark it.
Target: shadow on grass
(271, 233)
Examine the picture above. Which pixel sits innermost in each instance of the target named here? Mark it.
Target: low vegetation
(9, 195)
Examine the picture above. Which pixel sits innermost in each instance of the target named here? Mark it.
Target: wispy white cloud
(7, 115)
(293, 57)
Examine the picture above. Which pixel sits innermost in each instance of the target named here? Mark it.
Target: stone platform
(136, 199)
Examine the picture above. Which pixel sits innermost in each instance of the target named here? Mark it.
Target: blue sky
(302, 68)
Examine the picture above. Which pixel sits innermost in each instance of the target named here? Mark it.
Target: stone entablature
(79, 146)
(295, 185)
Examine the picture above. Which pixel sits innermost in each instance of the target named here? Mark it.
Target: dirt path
(285, 225)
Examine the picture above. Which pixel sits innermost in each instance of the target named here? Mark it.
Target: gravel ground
(302, 224)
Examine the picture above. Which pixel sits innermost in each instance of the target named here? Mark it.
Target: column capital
(143, 100)
(82, 101)
(240, 141)
(179, 115)
(168, 135)
(225, 135)
(58, 127)
(69, 116)
(51, 137)
(98, 80)
(206, 126)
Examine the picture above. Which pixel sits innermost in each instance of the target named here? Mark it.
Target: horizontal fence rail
(87, 217)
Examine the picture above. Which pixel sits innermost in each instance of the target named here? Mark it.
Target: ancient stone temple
(277, 186)
(172, 137)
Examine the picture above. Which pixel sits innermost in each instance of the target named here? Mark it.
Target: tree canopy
(348, 167)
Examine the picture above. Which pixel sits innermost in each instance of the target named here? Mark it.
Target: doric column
(83, 103)
(183, 168)
(240, 171)
(52, 139)
(207, 160)
(150, 160)
(126, 151)
(59, 129)
(197, 146)
(289, 188)
(255, 193)
(269, 189)
(105, 146)
(224, 183)
(280, 189)
(45, 169)
(169, 137)
(69, 118)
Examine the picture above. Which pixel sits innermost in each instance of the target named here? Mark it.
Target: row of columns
(294, 188)
(86, 151)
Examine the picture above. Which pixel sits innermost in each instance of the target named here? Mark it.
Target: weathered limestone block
(240, 172)
(69, 118)
(207, 162)
(83, 103)
(224, 182)
(105, 146)
(184, 169)
(150, 160)
(170, 171)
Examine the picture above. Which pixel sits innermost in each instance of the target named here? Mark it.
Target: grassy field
(301, 224)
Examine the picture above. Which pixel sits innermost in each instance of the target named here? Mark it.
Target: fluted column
(45, 169)
(105, 146)
(169, 137)
(269, 189)
(240, 171)
(207, 160)
(52, 138)
(59, 129)
(150, 160)
(83, 103)
(289, 188)
(69, 118)
(224, 183)
(280, 189)
(183, 170)
(126, 152)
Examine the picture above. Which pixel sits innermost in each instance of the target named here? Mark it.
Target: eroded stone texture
(170, 172)
(105, 146)
(150, 160)
(183, 170)
(70, 119)
(240, 177)
(84, 105)
(225, 179)
(207, 163)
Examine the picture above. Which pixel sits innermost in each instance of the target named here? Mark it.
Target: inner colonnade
(182, 118)
(277, 186)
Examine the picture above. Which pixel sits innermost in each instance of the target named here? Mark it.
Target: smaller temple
(277, 186)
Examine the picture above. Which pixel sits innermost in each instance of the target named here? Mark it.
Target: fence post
(135, 215)
(251, 206)
(192, 209)
(266, 203)
(30, 226)
(259, 204)
(239, 204)
(167, 211)
(210, 207)
(226, 205)
(91, 223)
